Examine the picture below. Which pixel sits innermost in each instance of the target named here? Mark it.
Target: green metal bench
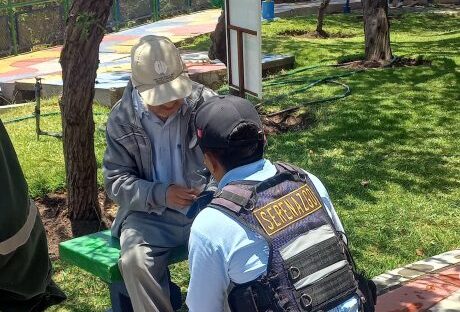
(98, 253)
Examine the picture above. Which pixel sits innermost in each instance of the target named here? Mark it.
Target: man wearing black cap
(264, 219)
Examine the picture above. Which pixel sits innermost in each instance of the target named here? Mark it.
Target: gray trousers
(146, 241)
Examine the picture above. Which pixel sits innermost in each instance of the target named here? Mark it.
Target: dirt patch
(313, 34)
(53, 211)
(284, 122)
(397, 62)
(404, 62)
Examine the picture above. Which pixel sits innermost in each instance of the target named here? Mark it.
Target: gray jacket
(128, 161)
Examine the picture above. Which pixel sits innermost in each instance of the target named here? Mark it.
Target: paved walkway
(115, 47)
(336, 6)
(311, 7)
(19, 72)
(428, 285)
(114, 50)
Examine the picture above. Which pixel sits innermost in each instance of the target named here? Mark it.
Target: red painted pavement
(421, 294)
(192, 29)
(203, 68)
(30, 62)
(116, 37)
(451, 275)
(18, 71)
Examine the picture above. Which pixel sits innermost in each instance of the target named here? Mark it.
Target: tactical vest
(309, 266)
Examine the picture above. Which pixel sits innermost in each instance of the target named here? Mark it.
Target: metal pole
(38, 95)
(66, 9)
(158, 9)
(12, 23)
(116, 14)
(239, 38)
(155, 14)
(119, 17)
(346, 7)
(38, 88)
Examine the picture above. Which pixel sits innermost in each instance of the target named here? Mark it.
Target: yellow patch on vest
(288, 209)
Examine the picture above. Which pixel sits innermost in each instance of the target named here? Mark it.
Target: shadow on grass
(388, 155)
(424, 22)
(412, 23)
(85, 293)
(376, 135)
(404, 28)
(436, 49)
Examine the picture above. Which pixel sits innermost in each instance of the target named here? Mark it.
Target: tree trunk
(319, 25)
(79, 60)
(218, 48)
(376, 31)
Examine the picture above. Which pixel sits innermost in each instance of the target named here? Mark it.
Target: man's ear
(210, 162)
(213, 164)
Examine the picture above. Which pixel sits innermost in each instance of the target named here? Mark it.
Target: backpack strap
(233, 197)
(286, 167)
(298, 172)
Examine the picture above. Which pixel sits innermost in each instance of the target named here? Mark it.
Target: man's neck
(165, 114)
(162, 118)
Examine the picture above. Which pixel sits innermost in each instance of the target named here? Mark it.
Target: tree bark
(319, 25)
(218, 48)
(376, 31)
(79, 61)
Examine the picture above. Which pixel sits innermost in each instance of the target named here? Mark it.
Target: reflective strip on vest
(312, 278)
(22, 236)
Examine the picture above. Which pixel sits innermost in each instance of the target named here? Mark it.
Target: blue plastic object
(268, 10)
(346, 7)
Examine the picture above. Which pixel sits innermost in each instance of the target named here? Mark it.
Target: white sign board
(243, 19)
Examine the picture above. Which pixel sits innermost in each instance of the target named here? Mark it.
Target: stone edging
(395, 278)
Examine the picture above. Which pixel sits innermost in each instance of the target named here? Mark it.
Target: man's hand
(180, 197)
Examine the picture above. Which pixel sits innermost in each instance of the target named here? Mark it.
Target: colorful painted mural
(114, 51)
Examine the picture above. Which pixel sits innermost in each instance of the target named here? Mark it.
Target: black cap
(216, 119)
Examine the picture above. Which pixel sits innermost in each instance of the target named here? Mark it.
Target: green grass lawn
(398, 131)
(42, 160)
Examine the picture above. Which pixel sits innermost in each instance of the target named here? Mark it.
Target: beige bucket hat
(158, 72)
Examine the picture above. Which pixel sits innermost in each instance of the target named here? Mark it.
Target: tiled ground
(114, 69)
(114, 49)
(428, 285)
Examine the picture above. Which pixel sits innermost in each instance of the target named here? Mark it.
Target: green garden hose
(10, 121)
(287, 79)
